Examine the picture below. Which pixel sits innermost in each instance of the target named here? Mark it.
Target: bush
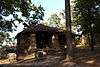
(3, 54)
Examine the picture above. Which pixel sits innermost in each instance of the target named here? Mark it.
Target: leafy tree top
(28, 10)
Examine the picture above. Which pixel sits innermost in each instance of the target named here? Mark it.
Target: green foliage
(87, 13)
(4, 37)
(3, 52)
(29, 11)
(57, 20)
(35, 17)
(54, 20)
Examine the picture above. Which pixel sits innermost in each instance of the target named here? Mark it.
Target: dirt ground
(81, 58)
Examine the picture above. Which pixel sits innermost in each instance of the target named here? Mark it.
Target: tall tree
(54, 20)
(68, 27)
(11, 8)
(57, 20)
(88, 12)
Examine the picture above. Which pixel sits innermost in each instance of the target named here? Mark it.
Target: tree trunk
(92, 41)
(68, 27)
(91, 21)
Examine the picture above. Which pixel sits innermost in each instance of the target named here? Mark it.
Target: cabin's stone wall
(27, 43)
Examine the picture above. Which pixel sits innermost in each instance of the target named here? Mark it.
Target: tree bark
(68, 27)
(92, 41)
(91, 31)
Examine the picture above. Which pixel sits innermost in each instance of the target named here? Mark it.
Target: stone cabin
(38, 37)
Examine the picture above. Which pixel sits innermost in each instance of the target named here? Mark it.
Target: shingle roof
(39, 27)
